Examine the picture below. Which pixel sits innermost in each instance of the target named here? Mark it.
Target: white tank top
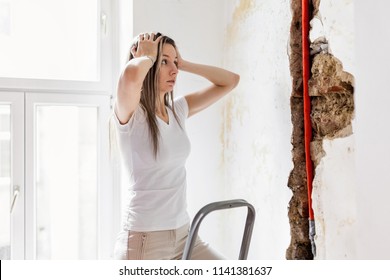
(157, 192)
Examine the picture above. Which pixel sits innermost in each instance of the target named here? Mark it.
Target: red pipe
(306, 101)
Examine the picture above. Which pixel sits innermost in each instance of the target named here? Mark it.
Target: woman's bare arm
(223, 81)
(132, 77)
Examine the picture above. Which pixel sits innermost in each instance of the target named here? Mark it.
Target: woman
(154, 147)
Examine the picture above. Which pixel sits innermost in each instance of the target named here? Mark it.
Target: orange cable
(306, 101)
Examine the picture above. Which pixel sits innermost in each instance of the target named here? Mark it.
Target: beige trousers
(160, 245)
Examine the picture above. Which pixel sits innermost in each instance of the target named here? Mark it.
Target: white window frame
(105, 193)
(23, 123)
(16, 101)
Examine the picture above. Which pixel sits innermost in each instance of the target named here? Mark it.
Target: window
(67, 176)
(50, 39)
(55, 87)
(55, 189)
(66, 181)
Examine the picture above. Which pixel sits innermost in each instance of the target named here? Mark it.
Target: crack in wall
(332, 110)
(300, 247)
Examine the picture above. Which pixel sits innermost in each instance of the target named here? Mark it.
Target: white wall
(257, 120)
(334, 200)
(372, 128)
(240, 146)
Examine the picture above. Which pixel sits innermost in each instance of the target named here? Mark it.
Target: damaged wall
(299, 247)
(331, 88)
(333, 152)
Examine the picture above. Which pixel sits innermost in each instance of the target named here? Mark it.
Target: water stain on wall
(233, 109)
(244, 9)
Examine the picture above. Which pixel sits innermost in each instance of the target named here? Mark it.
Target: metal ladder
(220, 205)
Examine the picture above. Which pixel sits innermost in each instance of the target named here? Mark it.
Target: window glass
(49, 39)
(66, 182)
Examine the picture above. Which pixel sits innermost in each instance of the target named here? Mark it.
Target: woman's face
(168, 68)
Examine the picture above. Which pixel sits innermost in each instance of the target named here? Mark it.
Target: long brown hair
(150, 95)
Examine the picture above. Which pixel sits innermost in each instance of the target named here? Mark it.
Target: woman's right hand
(147, 46)
(131, 79)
